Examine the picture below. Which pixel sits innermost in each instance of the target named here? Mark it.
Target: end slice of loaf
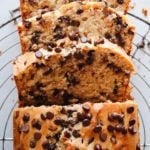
(66, 27)
(75, 75)
(30, 8)
(113, 126)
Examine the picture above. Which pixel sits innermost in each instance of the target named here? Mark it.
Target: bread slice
(30, 8)
(111, 126)
(74, 22)
(75, 75)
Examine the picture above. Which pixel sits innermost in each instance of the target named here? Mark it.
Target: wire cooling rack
(10, 49)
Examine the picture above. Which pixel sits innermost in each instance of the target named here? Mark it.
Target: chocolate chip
(88, 116)
(132, 130)
(49, 115)
(32, 143)
(80, 65)
(132, 122)
(75, 23)
(46, 145)
(51, 44)
(57, 136)
(99, 41)
(76, 133)
(35, 37)
(25, 128)
(130, 110)
(47, 72)
(41, 99)
(27, 24)
(118, 20)
(60, 122)
(98, 128)
(79, 11)
(38, 54)
(118, 128)
(48, 136)
(80, 116)
(90, 53)
(113, 139)
(43, 117)
(70, 112)
(59, 36)
(86, 122)
(130, 32)
(89, 60)
(36, 124)
(58, 50)
(138, 147)
(67, 134)
(63, 110)
(85, 107)
(73, 81)
(120, 39)
(91, 140)
(56, 92)
(114, 67)
(107, 35)
(26, 117)
(39, 65)
(90, 57)
(83, 39)
(97, 147)
(66, 96)
(120, 1)
(124, 131)
(78, 55)
(113, 116)
(38, 18)
(37, 135)
(64, 19)
(103, 136)
(121, 118)
(73, 36)
(58, 29)
(110, 128)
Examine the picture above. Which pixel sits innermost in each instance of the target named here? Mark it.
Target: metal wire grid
(10, 49)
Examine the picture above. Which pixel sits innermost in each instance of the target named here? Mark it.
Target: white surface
(10, 48)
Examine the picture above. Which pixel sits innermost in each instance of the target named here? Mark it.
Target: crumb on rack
(132, 6)
(0, 52)
(141, 44)
(145, 12)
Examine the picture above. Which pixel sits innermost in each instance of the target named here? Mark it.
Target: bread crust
(81, 135)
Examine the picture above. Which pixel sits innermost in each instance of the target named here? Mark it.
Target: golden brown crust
(113, 126)
(34, 7)
(66, 26)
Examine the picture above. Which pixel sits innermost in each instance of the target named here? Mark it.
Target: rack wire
(10, 49)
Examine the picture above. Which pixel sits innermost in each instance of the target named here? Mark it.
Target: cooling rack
(10, 49)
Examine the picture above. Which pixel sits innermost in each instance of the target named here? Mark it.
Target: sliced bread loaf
(74, 22)
(99, 126)
(30, 8)
(82, 73)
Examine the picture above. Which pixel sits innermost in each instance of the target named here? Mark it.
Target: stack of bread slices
(73, 77)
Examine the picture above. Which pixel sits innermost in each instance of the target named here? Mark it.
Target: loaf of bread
(99, 126)
(81, 73)
(75, 22)
(31, 8)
